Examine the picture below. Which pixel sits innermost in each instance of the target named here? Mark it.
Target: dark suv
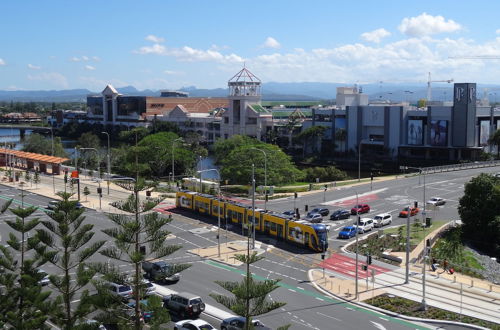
(340, 214)
(184, 304)
(321, 210)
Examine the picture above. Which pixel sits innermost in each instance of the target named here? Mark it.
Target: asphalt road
(306, 308)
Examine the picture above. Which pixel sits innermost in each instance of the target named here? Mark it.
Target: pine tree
(136, 230)
(249, 295)
(23, 303)
(66, 243)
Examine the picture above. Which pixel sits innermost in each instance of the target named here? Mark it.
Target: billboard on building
(439, 132)
(415, 132)
(484, 132)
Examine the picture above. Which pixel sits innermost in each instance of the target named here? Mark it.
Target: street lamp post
(173, 162)
(53, 177)
(265, 177)
(218, 209)
(108, 159)
(357, 259)
(253, 206)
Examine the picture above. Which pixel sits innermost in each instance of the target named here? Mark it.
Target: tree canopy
(222, 148)
(479, 209)
(40, 144)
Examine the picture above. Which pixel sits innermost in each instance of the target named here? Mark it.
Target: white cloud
(189, 54)
(375, 35)
(75, 59)
(53, 78)
(173, 73)
(154, 39)
(2, 62)
(96, 58)
(425, 24)
(34, 67)
(84, 58)
(89, 67)
(271, 43)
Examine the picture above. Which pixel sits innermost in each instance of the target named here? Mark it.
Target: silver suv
(122, 290)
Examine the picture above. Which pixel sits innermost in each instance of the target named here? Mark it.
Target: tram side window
(229, 214)
(273, 226)
(239, 217)
(307, 238)
(215, 209)
(291, 231)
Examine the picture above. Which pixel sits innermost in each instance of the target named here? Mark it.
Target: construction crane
(429, 94)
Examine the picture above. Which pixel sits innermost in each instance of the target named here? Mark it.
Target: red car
(404, 212)
(360, 208)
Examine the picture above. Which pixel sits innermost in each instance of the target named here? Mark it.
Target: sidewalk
(49, 185)
(454, 292)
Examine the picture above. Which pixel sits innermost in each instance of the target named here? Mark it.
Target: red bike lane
(347, 266)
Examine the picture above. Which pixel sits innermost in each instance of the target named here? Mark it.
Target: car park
(238, 323)
(404, 212)
(193, 325)
(122, 290)
(364, 225)
(348, 232)
(436, 201)
(382, 220)
(321, 210)
(314, 218)
(340, 214)
(360, 208)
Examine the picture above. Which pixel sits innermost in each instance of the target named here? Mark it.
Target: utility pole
(108, 160)
(407, 276)
(357, 224)
(253, 206)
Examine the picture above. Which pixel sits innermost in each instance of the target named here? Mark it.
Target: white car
(45, 280)
(436, 201)
(193, 325)
(382, 220)
(364, 225)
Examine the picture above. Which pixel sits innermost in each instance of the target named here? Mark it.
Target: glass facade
(94, 105)
(128, 105)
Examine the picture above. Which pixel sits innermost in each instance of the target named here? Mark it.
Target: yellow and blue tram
(311, 236)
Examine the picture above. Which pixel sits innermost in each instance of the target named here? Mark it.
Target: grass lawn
(416, 233)
(412, 308)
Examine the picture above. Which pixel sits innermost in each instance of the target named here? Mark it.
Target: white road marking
(292, 290)
(329, 316)
(319, 299)
(378, 325)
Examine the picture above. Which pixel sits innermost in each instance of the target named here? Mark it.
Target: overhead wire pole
(253, 206)
(265, 176)
(218, 211)
(53, 177)
(357, 259)
(108, 159)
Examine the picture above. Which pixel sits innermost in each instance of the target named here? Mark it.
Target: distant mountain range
(272, 91)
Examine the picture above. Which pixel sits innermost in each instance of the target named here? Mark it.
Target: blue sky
(169, 44)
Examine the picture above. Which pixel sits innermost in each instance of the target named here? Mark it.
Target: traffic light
(267, 197)
(148, 193)
(364, 267)
(99, 190)
(326, 187)
(416, 204)
(371, 176)
(65, 177)
(295, 195)
(369, 259)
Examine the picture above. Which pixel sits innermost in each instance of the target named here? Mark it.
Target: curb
(386, 312)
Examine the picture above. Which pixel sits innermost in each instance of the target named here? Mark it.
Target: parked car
(436, 201)
(360, 208)
(160, 271)
(238, 323)
(146, 315)
(148, 288)
(122, 290)
(45, 279)
(193, 325)
(382, 220)
(340, 214)
(348, 232)
(314, 218)
(404, 212)
(184, 304)
(321, 210)
(364, 225)
(289, 212)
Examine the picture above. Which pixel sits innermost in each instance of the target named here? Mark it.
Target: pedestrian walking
(445, 265)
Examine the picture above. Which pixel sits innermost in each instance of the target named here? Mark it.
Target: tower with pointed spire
(245, 115)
